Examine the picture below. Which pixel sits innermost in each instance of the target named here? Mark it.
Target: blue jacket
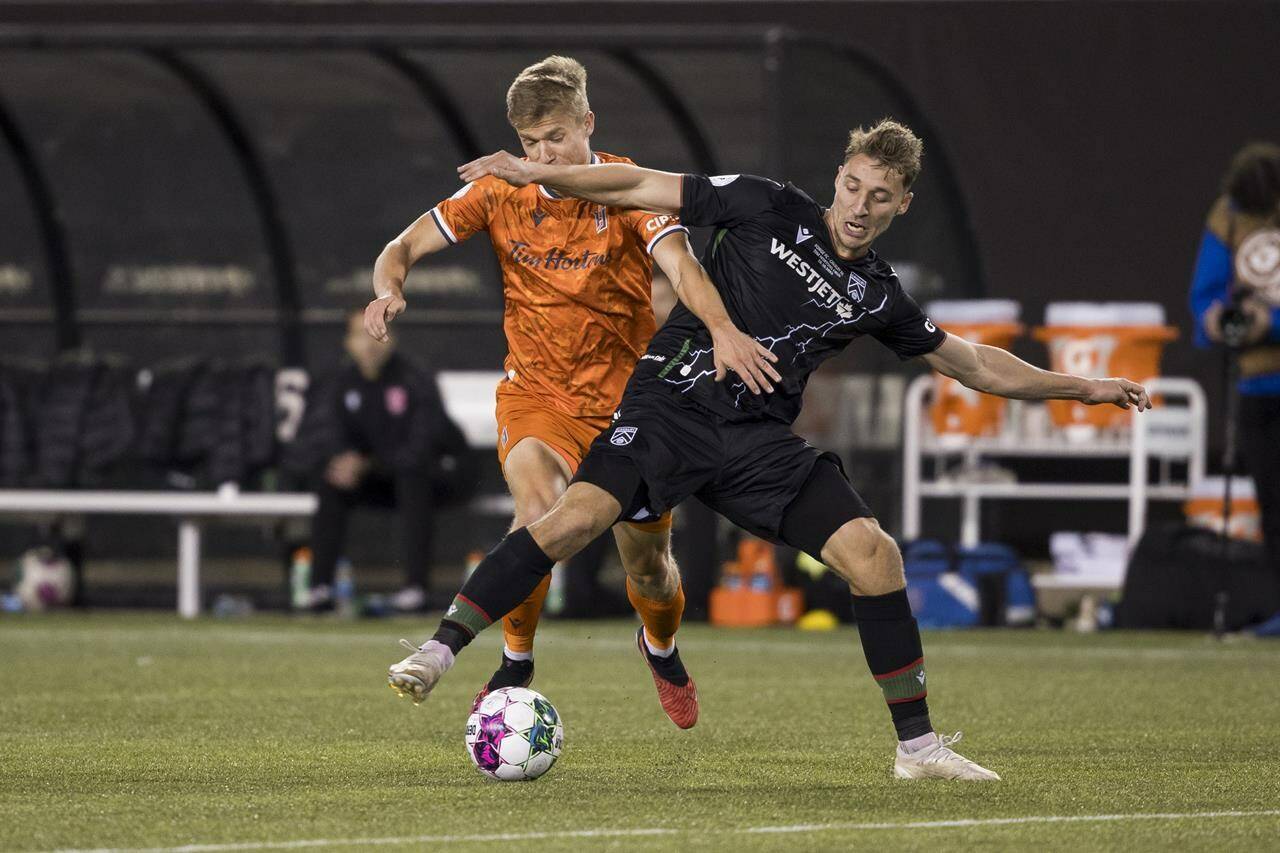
(1214, 272)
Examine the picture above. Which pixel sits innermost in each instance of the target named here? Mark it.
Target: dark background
(1072, 149)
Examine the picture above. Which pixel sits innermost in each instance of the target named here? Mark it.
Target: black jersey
(783, 284)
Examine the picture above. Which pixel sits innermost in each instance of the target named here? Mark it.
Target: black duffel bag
(1177, 572)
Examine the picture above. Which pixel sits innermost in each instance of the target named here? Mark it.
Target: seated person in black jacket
(377, 434)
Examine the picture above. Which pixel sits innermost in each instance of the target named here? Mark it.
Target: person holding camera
(1235, 298)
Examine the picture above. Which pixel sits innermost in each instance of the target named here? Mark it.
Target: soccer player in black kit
(803, 281)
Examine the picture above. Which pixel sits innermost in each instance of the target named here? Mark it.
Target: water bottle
(300, 579)
(473, 562)
(344, 589)
(555, 593)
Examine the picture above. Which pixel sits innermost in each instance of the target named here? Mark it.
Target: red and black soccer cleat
(676, 690)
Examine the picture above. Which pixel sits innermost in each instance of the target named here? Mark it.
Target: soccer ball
(45, 579)
(515, 735)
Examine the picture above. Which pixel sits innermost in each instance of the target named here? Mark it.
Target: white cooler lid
(973, 310)
(1104, 314)
(1211, 487)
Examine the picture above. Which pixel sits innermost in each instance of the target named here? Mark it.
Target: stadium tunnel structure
(225, 191)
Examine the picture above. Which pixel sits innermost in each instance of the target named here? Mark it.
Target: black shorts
(671, 448)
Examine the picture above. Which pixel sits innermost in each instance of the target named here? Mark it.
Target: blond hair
(893, 144)
(555, 85)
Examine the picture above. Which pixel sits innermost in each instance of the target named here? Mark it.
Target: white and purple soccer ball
(515, 735)
(45, 580)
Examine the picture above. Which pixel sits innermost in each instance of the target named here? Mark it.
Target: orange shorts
(522, 415)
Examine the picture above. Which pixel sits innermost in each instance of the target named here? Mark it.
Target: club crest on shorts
(622, 436)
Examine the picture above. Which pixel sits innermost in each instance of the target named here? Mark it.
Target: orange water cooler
(750, 593)
(1096, 340)
(959, 413)
(1204, 509)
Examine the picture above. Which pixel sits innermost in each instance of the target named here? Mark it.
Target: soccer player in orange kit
(577, 280)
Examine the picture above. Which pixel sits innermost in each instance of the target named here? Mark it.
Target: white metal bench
(468, 397)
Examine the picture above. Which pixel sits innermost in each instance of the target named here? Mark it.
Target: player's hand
(1259, 314)
(735, 351)
(345, 470)
(380, 312)
(502, 165)
(1118, 392)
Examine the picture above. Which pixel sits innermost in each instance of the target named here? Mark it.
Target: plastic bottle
(473, 562)
(344, 589)
(300, 579)
(555, 593)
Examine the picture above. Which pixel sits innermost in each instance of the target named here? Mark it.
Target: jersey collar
(554, 196)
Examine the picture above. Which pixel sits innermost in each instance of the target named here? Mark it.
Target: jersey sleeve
(724, 199)
(652, 228)
(908, 332)
(467, 211)
(1210, 281)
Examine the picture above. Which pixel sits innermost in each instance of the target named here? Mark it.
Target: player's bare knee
(865, 556)
(531, 506)
(577, 517)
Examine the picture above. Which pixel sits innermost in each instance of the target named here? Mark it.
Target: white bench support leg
(188, 568)
(970, 521)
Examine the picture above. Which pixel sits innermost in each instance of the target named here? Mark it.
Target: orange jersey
(577, 280)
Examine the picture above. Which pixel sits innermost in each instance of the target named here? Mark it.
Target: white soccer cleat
(418, 673)
(940, 761)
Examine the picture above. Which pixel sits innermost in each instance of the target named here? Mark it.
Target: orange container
(959, 413)
(1204, 509)
(750, 593)
(1097, 340)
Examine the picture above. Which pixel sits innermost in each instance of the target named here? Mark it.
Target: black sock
(504, 578)
(512, 673)
(670, 667)
(891, 643)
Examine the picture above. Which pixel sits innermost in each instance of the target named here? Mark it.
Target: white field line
(936, 646)
(640, 832)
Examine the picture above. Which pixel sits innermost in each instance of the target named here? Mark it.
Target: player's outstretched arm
(390, 269)
(996, 371)
(732, 349)
(610, 184)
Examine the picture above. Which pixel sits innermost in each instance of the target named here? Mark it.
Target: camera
(1235, 323)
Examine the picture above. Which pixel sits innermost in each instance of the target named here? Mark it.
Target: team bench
(468, 396)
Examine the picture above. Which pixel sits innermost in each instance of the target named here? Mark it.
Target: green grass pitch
(140, 731)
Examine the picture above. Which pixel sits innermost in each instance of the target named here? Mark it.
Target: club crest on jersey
(602, 218)
(622, 436)
(857, 287)
(396, 399)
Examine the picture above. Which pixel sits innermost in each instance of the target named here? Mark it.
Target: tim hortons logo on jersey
(823, 293)
(557, 259)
